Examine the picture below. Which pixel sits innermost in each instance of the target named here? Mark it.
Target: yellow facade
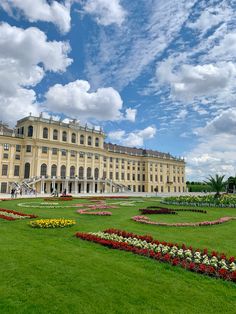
(47, 155)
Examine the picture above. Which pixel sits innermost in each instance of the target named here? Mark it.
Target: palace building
(48, 155)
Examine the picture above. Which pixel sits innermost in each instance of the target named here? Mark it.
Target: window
(45, 132)
(96, 157)
(81, 172)
(64, 136)
(133, 177)
(161, 178)
(63, 152)
(96, 173)
(89, 172)
(81, 155)
(63, 171)
(27, 170)
(54, 171)
(110, 159)
(73, 153)
(82, 139)
(122, 176)
(4, 170)
(6, 146)
(5, 156)
(138, 177)
(97, 142)
(89, 140)
(54, 151)
(143, 177)
(18, 148)
(30, 131)
(16, 171)
(73, 138)
(111, 175)
(104, 176)
(72, 171)
(28, 148)
(117, 175)
(17, 157)
(55, 134)
(4, 187)
(43, 171)
(44, 150)
(134, 188)
(128, 176)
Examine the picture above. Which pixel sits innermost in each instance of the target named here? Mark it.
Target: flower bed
(90, 211)
(214, 264)
(166, 211)
(8, 214)
(42, 205)
(52, 223)
(146, 220)
(208, 200)
(180, 209)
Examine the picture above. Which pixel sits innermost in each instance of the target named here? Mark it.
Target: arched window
(43, 171)
(27, 170)
(45, 132)
(54, 171)
(81, 172)
(63, 171)
(97, 142)
(96, 173)
(73, 138)
(82, 139)
(72, 171)
(55, 134)
(89, 140)
(64, 136)
(30, 131)
(89, 173)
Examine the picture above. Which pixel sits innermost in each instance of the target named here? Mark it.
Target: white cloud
(130, 114)
(76, 100)
(41, 10)
(132, 139)
(212, 16)
(106, 12)
(216, 150)
(25, 56)
(124, 53)
(191, 81)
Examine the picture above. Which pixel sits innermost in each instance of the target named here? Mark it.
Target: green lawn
(51, 271)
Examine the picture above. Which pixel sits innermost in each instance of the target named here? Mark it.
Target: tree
(217, 184)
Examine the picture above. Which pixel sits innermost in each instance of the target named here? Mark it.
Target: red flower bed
(61, 198)
(223, 268)
(14, 213)
(179, 209)
(146, 211)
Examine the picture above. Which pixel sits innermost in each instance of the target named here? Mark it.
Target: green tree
(216, 183)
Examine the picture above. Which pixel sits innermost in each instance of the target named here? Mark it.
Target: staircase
(119, 187)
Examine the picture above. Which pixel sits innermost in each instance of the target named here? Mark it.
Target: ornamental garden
(118, 255)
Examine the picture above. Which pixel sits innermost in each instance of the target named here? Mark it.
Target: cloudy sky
(159, 74)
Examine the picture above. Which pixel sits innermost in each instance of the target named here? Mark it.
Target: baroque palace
(48, 155)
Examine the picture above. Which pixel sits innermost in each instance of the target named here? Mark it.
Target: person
(64, 192)
(15, 193)
(21, 191)
(12, 193)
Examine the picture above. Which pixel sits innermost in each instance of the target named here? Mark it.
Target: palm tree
(217, 184)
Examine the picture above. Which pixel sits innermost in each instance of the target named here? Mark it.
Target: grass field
(51, 271)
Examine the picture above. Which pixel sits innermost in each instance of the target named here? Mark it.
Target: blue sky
(158, 74)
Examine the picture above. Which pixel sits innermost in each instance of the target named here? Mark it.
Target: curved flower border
(147, 220)
(9, 214)
(214, 264)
